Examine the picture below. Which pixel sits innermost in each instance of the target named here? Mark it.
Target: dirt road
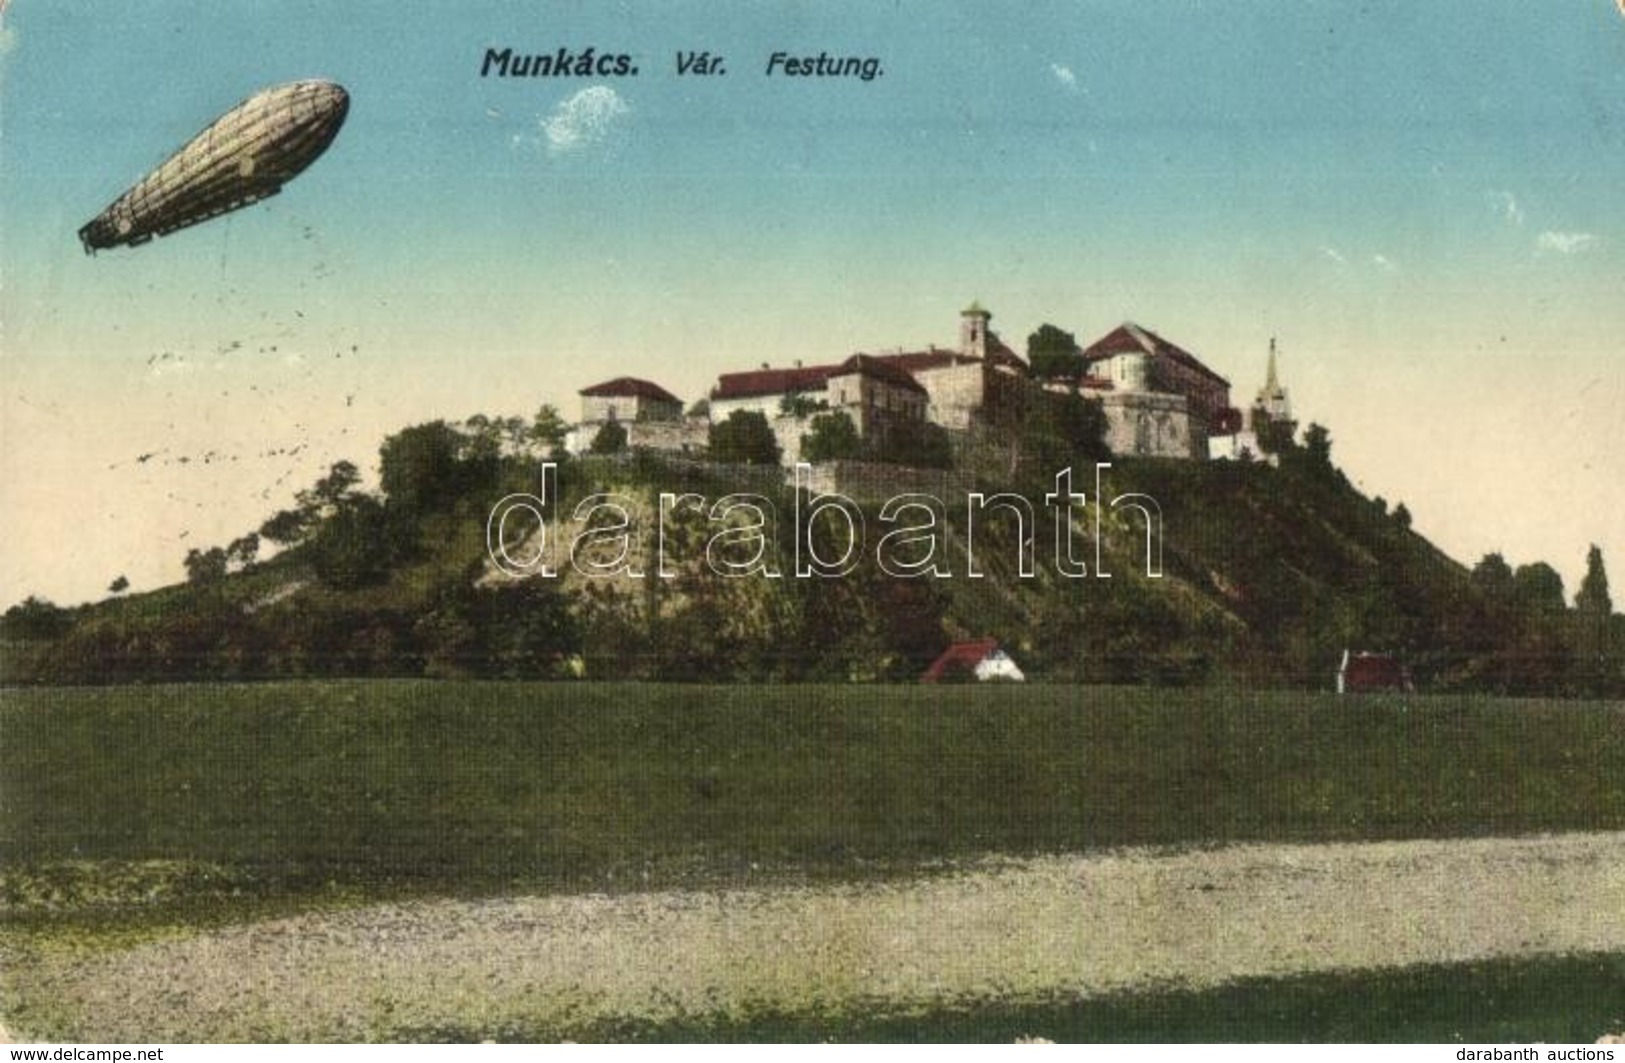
(1075, 924)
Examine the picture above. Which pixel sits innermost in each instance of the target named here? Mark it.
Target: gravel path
(1076, 924)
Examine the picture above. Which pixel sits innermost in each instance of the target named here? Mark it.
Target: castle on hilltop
(1158, 398)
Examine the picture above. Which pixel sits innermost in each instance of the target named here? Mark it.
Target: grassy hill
(1267, 574)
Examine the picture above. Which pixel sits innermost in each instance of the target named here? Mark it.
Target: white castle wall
(1150, 424)
(955, 393)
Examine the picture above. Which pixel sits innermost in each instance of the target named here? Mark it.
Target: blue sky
(1422, 201)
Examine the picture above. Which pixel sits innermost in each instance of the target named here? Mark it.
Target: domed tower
(973, 322)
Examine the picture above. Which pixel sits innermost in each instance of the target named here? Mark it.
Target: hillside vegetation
(1266, 575)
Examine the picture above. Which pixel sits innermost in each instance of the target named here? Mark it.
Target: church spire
(1272, 397)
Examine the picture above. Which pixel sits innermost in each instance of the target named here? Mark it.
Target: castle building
(766, 390)
(965, 386)
(953, 388)
(651, 415)
(875, 393)
(1159, 399)
(628, 399)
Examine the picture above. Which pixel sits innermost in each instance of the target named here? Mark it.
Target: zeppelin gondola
(245, 155)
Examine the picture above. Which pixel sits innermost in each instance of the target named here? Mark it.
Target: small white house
(981, 658)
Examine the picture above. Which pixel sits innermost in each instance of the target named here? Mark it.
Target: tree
(1053, 353)
(479, 454)
(1538, 588)
(37, 618)
(798, 405)
(418, 467)
(833, 437)
(1081, 423)
(701, 408)
(524, 630)
(353, 547)
(1055, 432)
(118, 586)
(1493, 576)
(549, 430)
(609, 439)
(1275, 435)
(481, 440)
(745, 438)
(289, 526)
(1402, 516)
(1599, 642)
(515, 433)
(1317, 446)
(205, 567)
(242, 552)
(331, 490)
(919, 444)
(1592, 599)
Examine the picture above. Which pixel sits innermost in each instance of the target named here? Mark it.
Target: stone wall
(875, 482)
(956, 393)
(1150, 424)
(788, 431)
(1207, 397)
(596, 409)
(765, 404)
(690, 435)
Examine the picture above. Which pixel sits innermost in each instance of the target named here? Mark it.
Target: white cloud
(1565, 243)
(583, 119)
(1064, 75)
(1334, 254)
(1383, 262)
(1506, 205)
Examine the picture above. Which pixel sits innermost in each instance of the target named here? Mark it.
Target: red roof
(771, 381)
(897, 369)
(630, 387)
(1129, 337)
(961, 656)
(916, 361)
(869, 365)
(1375, 671)
(1000, 354)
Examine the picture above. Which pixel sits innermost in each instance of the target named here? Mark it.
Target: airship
(244, 156)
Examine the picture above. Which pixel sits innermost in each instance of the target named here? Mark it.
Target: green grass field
(133, 812)
(456, 786)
